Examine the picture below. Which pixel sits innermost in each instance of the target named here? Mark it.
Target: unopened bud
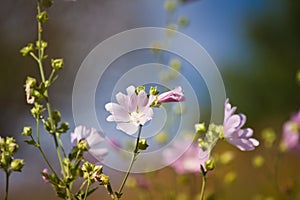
(17, 165)
(143, 144)
(57, 63)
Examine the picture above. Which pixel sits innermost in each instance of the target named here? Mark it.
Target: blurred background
(255, 45)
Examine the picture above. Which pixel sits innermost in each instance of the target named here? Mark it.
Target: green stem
(40, 56)
(7, 184)
(134, 156)
(203, 186)
(87, 189)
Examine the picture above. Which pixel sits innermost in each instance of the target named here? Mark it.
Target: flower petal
(128, 128)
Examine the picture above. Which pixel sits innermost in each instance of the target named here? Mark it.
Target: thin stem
(134, 156)
(87, 189)
(7, 184)
(203, 186)
(40, 56)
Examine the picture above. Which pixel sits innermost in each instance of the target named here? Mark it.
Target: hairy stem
(133, 159)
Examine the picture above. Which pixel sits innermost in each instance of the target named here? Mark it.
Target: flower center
(136, 117)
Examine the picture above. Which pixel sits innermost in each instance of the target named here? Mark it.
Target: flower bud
(200, 128)
(154, 91)
(104, 180)
(17, 165)
(140, 88)
(57, 64)
(41, 44)
(27, 131)
(42, 17)
(143, 144)
(27, 49)
(209, 165)
(37, 110)
(11, 145)
(83, 145)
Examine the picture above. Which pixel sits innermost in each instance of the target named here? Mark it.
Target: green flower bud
(140, 88)
(64, 127)
(11, 145)
(143, 144)
(154, 91)
(17, 165)
(37, 110)
(5, 159)
(41, 44)
(27, 131)
(57, 64)
(104, 180)
(27, 49)
(83, 145)
(56, 117)
(209, 165)
(200, 128)
(42, 17)
(30, 81)
(203, 144)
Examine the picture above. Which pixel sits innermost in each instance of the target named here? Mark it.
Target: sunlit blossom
(131, 111)
(93, 138)
(233, 131)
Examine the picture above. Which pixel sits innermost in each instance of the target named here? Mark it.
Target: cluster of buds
(8, 147)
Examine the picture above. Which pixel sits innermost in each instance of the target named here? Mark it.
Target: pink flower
(45, 171)
(290, 136)
(189, 161)
(93, 138)
(233, 131)
(175, 95)
(133, 110)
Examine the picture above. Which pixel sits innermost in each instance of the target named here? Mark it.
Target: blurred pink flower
(43, 177)
(93, 138)
(175, 95)
(290, 136)
(133, 110)
(233, 131)
(189, 161)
